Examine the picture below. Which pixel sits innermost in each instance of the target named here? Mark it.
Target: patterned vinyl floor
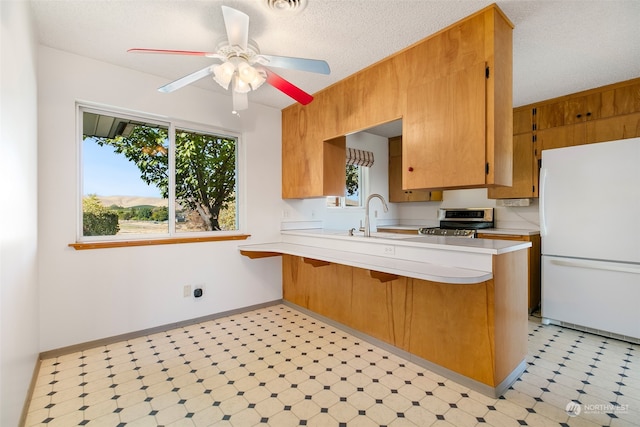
(278, 367)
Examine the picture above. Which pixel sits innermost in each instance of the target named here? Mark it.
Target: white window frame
(171, 124)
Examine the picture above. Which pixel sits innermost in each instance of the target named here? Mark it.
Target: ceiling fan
(243, 67)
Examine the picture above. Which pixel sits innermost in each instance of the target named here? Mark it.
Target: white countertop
(400, 267)
(455, 260)
(444, 243)
(509, 231)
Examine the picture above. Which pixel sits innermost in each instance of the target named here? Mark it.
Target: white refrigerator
(590, 227)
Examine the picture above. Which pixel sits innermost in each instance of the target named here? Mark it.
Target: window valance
(359, 157)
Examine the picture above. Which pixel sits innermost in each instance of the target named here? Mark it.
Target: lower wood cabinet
(476, 330)
(533, 259)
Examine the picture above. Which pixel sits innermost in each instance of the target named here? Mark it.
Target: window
(356, 178)
(143, 178)
(358, 163)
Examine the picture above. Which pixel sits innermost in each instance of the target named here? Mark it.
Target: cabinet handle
(588, 114)
(410, 169)
(579, 115)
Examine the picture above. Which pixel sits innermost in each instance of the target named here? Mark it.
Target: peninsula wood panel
(330, 291)
(454, 326)
(533, 264)
(294, 285)
(509, 323)
(322, 287)
(379, 308)
(451, 326)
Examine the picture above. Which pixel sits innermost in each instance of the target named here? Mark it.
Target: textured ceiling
(559, 47)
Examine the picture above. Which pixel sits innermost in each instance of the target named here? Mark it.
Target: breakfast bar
(456, 306)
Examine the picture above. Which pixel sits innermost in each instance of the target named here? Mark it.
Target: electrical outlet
(186, 291)
(198, 292)
(389, 250)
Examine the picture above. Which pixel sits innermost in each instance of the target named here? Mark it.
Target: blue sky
(109, 174)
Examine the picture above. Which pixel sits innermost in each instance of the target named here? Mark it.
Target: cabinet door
(444, 144)
(549, 115)
(621, 127)
(523, 183)
(583, 108)
(626, 99)
(563, 136)
(533, 259)
(396, 193)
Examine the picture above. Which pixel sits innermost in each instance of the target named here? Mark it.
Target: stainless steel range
(460, 222)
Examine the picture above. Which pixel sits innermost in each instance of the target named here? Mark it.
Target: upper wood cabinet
(444, 135)
(396, 193)
(453, 62)
(607, 101)
(524, 177)
(596, 115)
(458, 123)
(522, 120)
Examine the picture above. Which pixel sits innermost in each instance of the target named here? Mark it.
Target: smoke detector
(286, 7)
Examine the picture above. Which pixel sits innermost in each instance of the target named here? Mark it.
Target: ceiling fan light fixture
(223, 73)
(250, 75)
(240, 85)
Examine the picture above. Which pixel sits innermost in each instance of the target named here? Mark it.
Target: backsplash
(313, 213)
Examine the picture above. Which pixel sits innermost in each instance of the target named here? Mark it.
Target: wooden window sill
(169, 241)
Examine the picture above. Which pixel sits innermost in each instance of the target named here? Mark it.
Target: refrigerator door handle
(543, 187)
(624, 268)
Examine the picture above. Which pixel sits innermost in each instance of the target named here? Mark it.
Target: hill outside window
(143, 178)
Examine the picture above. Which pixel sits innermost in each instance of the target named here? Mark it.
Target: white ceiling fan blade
(240, 101)
(237, 25)
(177, 84)
(302, 64)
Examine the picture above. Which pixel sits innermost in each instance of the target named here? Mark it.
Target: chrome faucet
(367, 228)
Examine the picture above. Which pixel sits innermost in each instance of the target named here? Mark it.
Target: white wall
(18, 213)
(93, 294)
(299, 211)
(314, 213)
(522, 217)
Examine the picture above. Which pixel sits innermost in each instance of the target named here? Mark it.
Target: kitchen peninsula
(456, 306)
